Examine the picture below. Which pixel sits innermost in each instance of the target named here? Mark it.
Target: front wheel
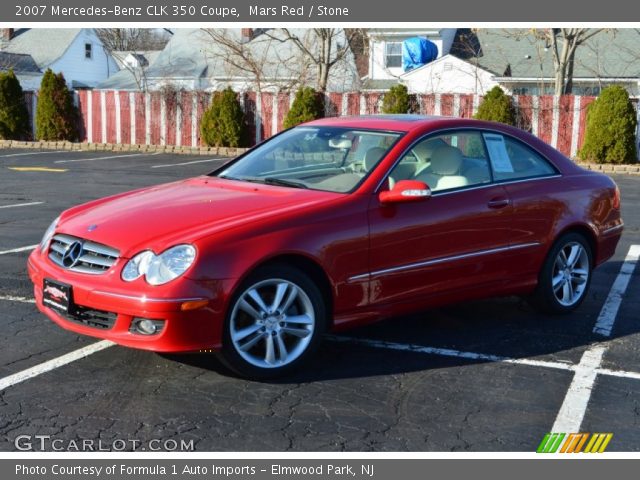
(565, 276)
(274, 323)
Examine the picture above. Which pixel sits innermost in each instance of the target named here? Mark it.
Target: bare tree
(128, 39)
(322, 47)
(122, 42)
(254, 56)
(563, 43)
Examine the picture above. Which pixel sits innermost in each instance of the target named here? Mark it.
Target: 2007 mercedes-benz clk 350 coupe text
(331, 224)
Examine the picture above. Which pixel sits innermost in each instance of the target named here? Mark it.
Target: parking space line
(93, 159)
(186, 163)
(19, 249)
(12, 298)
(38, 169)
(619, 373)
(574, 406)
(21, 205)
(446, 352)
(53, 364)
(606, 319)
(33, 153)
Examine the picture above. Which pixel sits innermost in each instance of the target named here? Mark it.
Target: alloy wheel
(570, 274)
(272, 323)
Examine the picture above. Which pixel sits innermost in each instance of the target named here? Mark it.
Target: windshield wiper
(268, 181)
(284, 183)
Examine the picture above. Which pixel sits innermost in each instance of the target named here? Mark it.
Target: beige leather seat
(372, 157)
(423, 152)
(444, 171)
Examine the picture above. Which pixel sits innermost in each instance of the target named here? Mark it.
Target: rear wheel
(274, 323)
(565, 276)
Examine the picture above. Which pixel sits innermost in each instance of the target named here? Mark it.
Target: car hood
(181, 212)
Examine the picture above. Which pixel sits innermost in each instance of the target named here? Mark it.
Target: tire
(562, 287)
(262, 342)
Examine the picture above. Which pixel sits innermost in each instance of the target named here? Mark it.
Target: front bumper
(183, 330)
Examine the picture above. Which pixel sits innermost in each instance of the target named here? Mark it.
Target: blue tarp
(416, 52)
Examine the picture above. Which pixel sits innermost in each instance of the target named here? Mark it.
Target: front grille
(91, 318)
(94, 258)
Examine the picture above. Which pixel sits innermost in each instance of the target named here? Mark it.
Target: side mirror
(405, 191)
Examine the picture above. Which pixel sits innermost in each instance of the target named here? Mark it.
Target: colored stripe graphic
(574, 443)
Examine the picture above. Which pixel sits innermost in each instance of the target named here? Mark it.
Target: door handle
(498, 202)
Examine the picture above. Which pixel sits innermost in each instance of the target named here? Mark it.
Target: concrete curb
(608, 168)
(112, 147)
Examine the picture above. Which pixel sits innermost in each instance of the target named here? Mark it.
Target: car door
(533, 185)
(456, 240)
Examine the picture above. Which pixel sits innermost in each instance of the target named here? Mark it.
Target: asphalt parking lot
(485, 376)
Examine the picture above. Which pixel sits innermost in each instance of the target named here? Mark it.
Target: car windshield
(319, 158)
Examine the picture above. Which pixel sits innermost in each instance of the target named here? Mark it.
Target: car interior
(338, 161)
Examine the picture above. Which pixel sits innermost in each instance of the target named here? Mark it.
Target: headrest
(372, 156)
(424, 150)
(446, 160)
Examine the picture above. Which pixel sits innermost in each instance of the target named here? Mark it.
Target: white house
(449, 74)
(517, 60)
(196, 59)
(385, 52)
(76, 52)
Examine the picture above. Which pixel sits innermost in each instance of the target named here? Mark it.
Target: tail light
(616, 199)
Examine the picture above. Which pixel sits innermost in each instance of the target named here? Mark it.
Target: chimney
(6, 34)
(247, 34)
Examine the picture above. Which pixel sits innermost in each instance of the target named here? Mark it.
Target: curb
(112, 147)
(608, 168)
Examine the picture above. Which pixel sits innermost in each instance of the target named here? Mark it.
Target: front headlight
(48, 234)
(160, 269)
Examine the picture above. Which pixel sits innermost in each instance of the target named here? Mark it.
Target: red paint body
(341, 238)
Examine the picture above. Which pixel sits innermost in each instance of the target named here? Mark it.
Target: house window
(393, 54)
(88, 51)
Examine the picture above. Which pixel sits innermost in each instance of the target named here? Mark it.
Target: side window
(393, 54)
(511, 159)
(444, 162)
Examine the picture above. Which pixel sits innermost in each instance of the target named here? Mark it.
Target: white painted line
(575, 126)
(194, 119)
(163, 120)
(607, 317)
(575, 402)
(619, 373)
(555, 121)
(108, 158)
(33, 153)
(186, 163)
(103, 115)
(132, 117)
(17, 250)
(480, 356)
(535, 114)
(21, 205)
(89, 116)
(12, 298)
(147, 118)
(437, 104)
(116, 98)
(50, 365)
(446, 352)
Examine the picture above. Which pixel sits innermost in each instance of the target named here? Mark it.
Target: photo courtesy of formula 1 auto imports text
(330, 239)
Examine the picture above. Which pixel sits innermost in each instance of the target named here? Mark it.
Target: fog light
(144, 326)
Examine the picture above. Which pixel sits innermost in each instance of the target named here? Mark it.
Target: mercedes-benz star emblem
(72, 254)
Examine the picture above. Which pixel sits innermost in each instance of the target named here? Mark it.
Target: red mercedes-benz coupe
(331, 224)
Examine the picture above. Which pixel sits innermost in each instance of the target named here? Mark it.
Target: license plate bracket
(57, 295)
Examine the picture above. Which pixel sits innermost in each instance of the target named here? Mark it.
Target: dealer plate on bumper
(56, 295)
